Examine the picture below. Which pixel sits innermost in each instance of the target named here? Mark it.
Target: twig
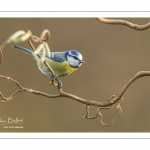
(4, 99)
(45, 35)
(31, 44)
(2, 46)
(1, 56)
(12, 80)
(126, 23)
(87, 113)
(113, 120)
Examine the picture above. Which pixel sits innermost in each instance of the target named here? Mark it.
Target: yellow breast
(60, 68)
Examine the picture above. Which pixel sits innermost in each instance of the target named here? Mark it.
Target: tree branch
(126, 23)
(61, 93)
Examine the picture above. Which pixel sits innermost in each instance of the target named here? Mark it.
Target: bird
(62, 63)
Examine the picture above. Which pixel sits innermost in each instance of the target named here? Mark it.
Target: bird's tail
(23, 49)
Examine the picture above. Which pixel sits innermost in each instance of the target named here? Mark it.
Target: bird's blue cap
(75, 53)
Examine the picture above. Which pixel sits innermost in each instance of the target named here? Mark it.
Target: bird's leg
(59, 83)
(53, 78)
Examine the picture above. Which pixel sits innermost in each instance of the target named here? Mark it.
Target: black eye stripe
(74, 57)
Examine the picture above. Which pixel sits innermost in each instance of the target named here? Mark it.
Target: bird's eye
(75, 57)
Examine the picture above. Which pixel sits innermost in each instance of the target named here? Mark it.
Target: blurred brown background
(112, 54)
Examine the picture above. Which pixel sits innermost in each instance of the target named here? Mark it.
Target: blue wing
(56, 56)
(59, 56)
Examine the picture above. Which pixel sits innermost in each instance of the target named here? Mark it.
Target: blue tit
(62, 63)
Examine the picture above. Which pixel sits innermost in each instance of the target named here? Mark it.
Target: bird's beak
(81, 61)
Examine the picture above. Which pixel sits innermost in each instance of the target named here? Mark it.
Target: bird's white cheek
(74, 62)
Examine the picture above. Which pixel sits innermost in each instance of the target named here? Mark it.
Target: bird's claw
(54, 78)
(59, 83)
